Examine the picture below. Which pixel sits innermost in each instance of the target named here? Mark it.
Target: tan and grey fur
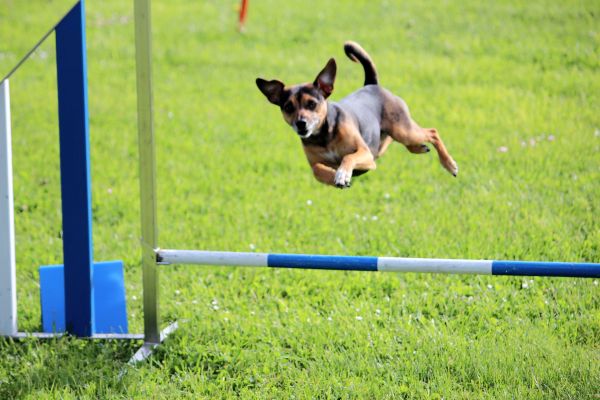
(344, 139)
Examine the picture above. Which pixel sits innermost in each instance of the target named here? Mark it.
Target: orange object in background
(243, 13)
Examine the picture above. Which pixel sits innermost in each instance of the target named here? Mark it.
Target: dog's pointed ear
(324, 81)
(271, 89)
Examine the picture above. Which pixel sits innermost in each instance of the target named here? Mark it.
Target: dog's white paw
(342, 178)
(451, 166)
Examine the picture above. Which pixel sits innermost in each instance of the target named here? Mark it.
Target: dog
(343, 139)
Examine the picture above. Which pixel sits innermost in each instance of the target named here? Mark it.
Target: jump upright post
(147, 160)
(8, 283)
(71, 66)
(86, 299)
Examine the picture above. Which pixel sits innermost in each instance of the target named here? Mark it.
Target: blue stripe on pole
(75, 171)
(534, 268)
(347, 263)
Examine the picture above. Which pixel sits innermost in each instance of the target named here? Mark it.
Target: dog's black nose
(301, 125)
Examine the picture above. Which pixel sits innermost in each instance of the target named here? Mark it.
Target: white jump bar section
(434, 265)
(212, 258)
(384, 264)
(8, 281)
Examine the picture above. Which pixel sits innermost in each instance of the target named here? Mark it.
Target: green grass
(232, 176)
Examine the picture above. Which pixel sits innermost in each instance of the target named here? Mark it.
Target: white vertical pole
(8, 281)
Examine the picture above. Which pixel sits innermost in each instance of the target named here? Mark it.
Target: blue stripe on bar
(346, 263)
(535, 268)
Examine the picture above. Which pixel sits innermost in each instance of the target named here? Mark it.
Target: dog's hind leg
(414, 138)
(403, 129)
(433, 137)
(385, 142)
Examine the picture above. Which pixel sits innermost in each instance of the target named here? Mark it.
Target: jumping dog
(343, 139)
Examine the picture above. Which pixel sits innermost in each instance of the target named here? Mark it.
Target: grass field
(514, 89)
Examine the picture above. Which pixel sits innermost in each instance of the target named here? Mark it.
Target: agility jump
(72, 90)
(153, 257)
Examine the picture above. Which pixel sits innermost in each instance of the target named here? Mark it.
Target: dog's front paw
(342, 178)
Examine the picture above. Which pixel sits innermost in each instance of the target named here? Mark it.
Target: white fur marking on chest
(331, 156)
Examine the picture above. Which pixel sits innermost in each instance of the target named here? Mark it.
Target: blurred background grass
(512, 86)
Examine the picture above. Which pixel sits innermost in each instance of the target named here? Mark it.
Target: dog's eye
(311, 105)
(288, 108)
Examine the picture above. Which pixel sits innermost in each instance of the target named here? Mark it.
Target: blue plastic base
(109, 303)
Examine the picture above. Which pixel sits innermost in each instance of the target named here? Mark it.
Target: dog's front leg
(323, 173)
(361, 159)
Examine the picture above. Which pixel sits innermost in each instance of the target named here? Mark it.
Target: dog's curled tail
(358, 54)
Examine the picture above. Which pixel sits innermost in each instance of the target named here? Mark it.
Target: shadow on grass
(64, 364)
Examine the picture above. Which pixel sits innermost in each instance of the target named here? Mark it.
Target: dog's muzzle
(301, 128)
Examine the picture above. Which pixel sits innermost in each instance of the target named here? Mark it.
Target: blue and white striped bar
(384, 264)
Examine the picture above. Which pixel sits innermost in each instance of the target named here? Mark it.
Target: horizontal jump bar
(387, 264)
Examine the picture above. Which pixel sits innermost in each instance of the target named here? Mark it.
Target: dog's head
(303, 106)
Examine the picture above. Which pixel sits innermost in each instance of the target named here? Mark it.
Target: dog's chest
(331, 156)
(334, 152)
